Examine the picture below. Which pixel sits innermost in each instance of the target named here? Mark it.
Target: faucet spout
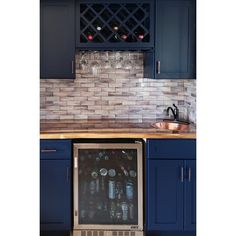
(172, 110)
(175, 112)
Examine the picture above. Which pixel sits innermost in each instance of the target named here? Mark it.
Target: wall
(109, 92)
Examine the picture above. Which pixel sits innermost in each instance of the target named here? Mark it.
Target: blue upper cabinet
(175, 39)
(57, 39)
(114, 24)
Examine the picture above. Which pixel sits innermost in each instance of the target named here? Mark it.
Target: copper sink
(171, 125)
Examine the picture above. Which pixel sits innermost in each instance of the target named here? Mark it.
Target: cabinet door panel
(171, 149)
(190, 196)
(175, 39)
(165, 195)
(57, 39)
(55, 193)
(55, 149)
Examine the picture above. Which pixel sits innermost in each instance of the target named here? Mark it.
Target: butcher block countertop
(117, 128)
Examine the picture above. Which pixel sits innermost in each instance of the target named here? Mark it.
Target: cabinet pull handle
(72, 67)
(182, 174)
(189, 174)
(158, 67)
(67, 174)
(48, 150)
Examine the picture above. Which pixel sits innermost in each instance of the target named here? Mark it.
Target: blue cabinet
(175, 44)
(171, 185)
(55, 195)
(57, 39)
(165, 195)
(55, 185)
(190, 195)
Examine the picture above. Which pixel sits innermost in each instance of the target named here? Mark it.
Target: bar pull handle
(182, 174)
(48, 150)
(67, 174)
(158, 67)
(76, 162)
(72, 67)
(189, 174)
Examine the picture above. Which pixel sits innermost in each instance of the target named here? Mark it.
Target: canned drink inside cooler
(124, 207)
(131, 211)
(92, 187)
(129, 190)
(111, 189)
(113, 210)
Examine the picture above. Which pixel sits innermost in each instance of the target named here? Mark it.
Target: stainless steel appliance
(108, 189)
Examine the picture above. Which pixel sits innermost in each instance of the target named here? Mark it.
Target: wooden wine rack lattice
(114, 22)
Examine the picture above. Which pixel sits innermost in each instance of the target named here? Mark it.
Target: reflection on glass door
(108, 184)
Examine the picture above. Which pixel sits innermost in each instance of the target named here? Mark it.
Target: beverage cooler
(108, 186)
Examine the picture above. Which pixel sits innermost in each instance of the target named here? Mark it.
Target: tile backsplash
(112, 85)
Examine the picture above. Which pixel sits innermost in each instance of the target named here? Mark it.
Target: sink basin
(171, 125)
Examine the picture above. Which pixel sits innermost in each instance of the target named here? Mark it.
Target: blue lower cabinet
(165, 195)
(171, 187)
(171, 190)
(55, 194)
(190, 196)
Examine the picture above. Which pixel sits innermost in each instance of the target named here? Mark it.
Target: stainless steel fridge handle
(75, 162)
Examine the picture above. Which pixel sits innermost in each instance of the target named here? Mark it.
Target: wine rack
(114, 24)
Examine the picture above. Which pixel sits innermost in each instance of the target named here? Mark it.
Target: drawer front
(55, 149)
(171, 148)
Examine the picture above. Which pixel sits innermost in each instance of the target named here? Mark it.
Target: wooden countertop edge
(115, 135)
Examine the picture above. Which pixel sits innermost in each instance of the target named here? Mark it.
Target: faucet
(174, 111)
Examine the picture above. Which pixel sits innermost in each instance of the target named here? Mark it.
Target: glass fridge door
(108, 186)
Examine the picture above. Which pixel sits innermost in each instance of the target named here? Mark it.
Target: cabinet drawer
(55, 149)
(171, 148)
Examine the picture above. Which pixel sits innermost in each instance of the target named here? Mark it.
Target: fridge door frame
(138, 146)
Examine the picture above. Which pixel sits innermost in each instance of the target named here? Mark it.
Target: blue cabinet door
(165, 194)
(57, 39)
(190, 196)
(55, 195)
(175, 39)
